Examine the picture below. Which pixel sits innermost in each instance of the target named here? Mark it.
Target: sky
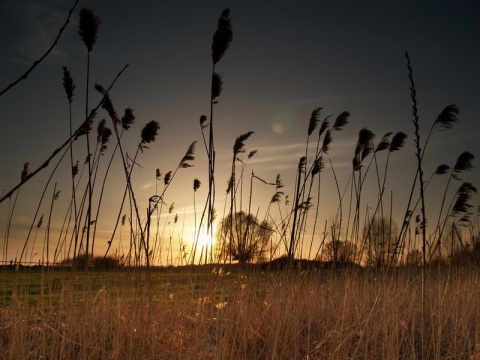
(286, 59)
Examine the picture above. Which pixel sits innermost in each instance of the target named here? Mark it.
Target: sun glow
(205, 240)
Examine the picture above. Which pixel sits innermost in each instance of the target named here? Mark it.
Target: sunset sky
(286, 59)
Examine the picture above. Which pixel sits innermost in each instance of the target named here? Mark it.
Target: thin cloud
(287, 155)
(30, 28)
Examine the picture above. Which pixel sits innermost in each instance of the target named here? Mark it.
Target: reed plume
(196, 184)
(341, 121)
(127, 119)
(419, 156)
(463, 163)
(398, 141)
(464, 194)
(88, 31)
(88, 27)
(150, 131)
(68, 84)
(448, 117)
(442, 169)
(314, 120)
(25, 171)
(222, 37)
(217, 86)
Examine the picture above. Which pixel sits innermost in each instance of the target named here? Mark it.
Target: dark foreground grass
(217, 313)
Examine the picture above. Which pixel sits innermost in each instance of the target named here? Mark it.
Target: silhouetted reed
(23, 175)
(157, 199)
(88, 31)
(222, 39)
(444, 121)
(463, 163)
(69, 86)
(419, 156)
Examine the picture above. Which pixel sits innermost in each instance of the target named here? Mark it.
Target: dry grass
(362, 314)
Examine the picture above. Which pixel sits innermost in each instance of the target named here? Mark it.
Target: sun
(205, 240)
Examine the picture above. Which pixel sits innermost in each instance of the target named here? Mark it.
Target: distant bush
(98, 262)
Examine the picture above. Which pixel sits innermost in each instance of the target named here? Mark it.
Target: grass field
(212, 313)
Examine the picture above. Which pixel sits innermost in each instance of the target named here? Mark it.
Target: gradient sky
(286, 59)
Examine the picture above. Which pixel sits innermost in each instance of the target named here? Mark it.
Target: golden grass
(363, 314)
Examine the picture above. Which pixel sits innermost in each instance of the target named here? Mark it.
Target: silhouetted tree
(379, 236)
(414, 258)
(243, 237)
(341, 252)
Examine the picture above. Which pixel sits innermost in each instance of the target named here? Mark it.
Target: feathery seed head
(398, 141)
(367, 150)
(239, 146)
(88, 27)
(324, 126)
(464, 194)
(252, 153)
(356, 163)
(301, 162)
(167, 178)
(128, 119)
(464, 163)
(341, 121)
(229, 184)
(278, 182)
(363, 148)
(203, 120)
(68, 84)
(24, 172)
(222, 37)
(318, 166)
(384, 142)
(314, 120)
(106, 134)
(86, 126)
(327, 140)
(196, 184)
(217, 85)
(213, 216)
(448, 117)
(189, 156)
(102, 124)
(100, 89)
(276, 197)
(40, 222)
(365, 136)
(158, 174)
(150, 131)
(75, 169)
(108, 105)
(442, 169)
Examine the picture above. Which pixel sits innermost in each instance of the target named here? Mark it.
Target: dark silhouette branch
(37, 62)
(67, 142)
